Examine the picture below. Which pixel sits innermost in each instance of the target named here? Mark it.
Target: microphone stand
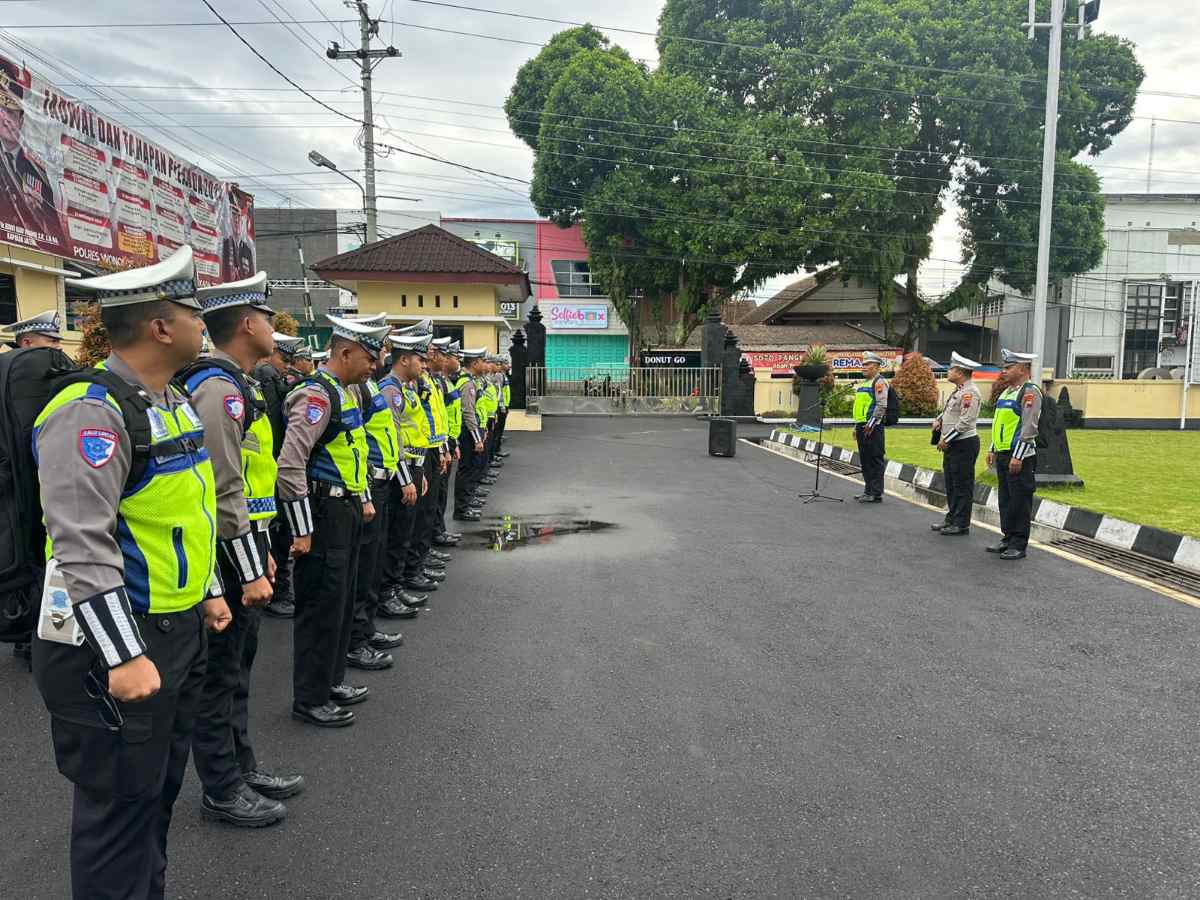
(815, 494)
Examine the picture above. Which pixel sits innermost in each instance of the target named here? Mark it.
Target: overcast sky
(445, 93)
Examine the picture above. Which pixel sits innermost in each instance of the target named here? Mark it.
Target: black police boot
(938, 526)
(328, 715)
(395, 608)
(369, 659)
(482, 492)
(503, 454)
(432, 562)
(245, 807)
(349, 694)
(445, 540)
(434, 575)
(386, 640)
(420, 583)
(408, 598)
(1013, 553)
(998, 548)
(954, 531)
(440, 555)
(277, 787)
(470, 515)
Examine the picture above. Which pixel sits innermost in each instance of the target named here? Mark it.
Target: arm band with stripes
(299, 516)
(404, 474)
(108, 624)
(242, 553)
(215, 587)
(951, 436)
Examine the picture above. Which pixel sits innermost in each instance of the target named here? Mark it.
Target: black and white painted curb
(1145, 539)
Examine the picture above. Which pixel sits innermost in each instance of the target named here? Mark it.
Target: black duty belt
(323, 490)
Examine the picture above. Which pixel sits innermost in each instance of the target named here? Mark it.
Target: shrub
(916, 386)
(840, 402)
(285, 323)
(94, 348)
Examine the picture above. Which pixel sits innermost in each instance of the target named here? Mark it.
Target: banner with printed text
(79, 185)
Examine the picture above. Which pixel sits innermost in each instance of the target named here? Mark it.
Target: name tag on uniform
(56, 620)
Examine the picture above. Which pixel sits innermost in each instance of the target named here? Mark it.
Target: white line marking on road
(1079, 560)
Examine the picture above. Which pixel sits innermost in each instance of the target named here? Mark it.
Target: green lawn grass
(1149, 477)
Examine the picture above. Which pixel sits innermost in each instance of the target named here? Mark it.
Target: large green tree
(783, 133)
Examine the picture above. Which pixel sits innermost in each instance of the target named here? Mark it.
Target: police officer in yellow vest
(474, 435)
(870, 408)
(505, 381)
(368, 645)
(325, 490)
(452, 380)
(407, 360)
(239, 439)
(131, 583)
(41, 330)
(1014, 452)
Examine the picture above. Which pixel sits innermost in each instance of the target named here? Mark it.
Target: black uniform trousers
(221, 749)
(870, 454)
(958, 468)
(281, 550)
(426, 515)
(370, 569)
(501, 418)
(470, 470)
(326, 585)
(127, 778)
(402, 520)
(439, 523)
(1016, 499)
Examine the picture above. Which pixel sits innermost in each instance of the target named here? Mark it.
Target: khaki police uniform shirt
(306, 411)
(396, 401)
(959, 417)
(80, 498)
(880, 387)
(1025, 444)
(470, 392)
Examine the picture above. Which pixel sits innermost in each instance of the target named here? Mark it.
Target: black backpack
(28, 380)
(892, 415)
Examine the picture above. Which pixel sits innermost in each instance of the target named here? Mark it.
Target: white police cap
(425, 326)
(370, 337)
(174, 279)
(376, 319)
(247, 292)
(320, 355)
(409, 343)
(871, 357)
(471, 355)
(46, 323)
(959, 361)
(1012, 358)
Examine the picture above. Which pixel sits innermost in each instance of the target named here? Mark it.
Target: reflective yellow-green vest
(383, 441)
(864, 401)
(416, 428)
(437, 409)
(166, 523)
(507, 392)
(488, 399)
(454, 407)
(259, 469)
(340, 457)
(1006, 421)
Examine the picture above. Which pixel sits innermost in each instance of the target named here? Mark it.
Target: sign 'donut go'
(570, 315)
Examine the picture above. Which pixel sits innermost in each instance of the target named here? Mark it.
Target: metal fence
(616, 390)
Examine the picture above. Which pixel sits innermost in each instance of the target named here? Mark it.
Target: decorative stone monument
(1054, 464)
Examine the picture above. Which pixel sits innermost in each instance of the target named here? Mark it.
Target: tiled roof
(844, 337)
(426, 249)
(783, 299)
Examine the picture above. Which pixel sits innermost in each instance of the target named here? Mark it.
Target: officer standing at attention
(1014, 452)
(453, 378)
(238, 438)
(40, 331)
(505, 403)
(473, 461)
(959, 443)
(408, 357)
(276, 376)
(130, 507)
(325, 494)
(366, 645)
(870, 407)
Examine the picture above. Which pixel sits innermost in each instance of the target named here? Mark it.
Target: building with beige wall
(32, 283)
(431, 273)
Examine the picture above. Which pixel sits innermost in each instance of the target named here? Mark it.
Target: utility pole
(366, 57)
(1088, 11)
(308, 307)
(1150, 161)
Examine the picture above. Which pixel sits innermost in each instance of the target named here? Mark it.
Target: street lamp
(322, 162)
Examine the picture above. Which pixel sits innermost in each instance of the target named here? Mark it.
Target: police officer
(959, 442)
(474, 436)
(41, 330)
(367, 645)
(440, 362)
(324, 489)
(505, 403)
(131, 517)
(870, 408)
(453, 378)
(1014, 452)
(305, 361)
(239, 442)
(276, 376)
(408, 357)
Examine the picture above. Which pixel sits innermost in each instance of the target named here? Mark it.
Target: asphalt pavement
(669, 678)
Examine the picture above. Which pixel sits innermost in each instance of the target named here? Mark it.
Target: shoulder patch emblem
(235, 406)
(966, 401)
(1028, 401)
(399, 401)
(317, 407)
(97, 446)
